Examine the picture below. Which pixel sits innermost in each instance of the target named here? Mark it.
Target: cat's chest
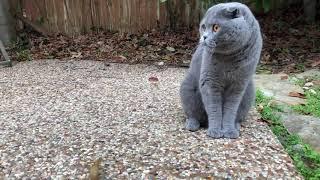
(230, 71)
(220, 66)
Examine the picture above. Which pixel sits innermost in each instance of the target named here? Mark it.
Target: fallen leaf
(266, 57)
(297, 94)
(153, 79)
(269, 122)
(260, 108)
(186, 61)
(167, 58)
(171, 49)
(316, 82)
(308, 84)
(316, 63)
(94, 170)
(228, 145)
(100, 43)
(76, 55)
(284, 77)
(119, 58)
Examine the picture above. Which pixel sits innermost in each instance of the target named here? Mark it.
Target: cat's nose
(204, 37)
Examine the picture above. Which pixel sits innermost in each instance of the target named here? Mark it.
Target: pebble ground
(87, 119)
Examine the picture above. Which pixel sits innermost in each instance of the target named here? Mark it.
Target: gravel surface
(80, 119)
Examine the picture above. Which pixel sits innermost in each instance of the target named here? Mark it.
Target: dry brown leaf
(76, 55)
(167, 58)
(284, 77)
(316, 63)
(119, 58)
(153, 79)
(316, 82)
(94, 170)
(171, 49)
(260, 108)
(266, 57)
(297, 94)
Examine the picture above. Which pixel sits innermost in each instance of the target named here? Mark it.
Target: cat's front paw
(231, 133)
(192, 124)
(214, 133)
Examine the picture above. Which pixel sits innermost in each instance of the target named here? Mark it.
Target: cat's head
(230, 25)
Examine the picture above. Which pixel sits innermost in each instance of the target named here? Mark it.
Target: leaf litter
(154, 47)
(290, 45)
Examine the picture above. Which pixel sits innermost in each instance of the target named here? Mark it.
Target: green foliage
(299, 82)
(263, 5)
(20, 47)
(300, 66)
(312, 106)
(23, 55)
(306, 160)
(260, 5)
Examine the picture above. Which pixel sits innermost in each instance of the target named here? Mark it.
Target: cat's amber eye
(215, 28)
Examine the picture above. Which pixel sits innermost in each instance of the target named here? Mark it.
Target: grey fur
(218, 88)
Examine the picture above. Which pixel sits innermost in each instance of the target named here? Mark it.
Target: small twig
(7, 61)
(32, 25)
(183, 65)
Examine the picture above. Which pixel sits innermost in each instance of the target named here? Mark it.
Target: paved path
(60, 117)
(279, 87)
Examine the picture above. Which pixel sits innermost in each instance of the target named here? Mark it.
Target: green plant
(298, 81)
(306, 160)
(300, 67)
(263, 5)
(20, 43)
(20, 48)
(260, 5)
(312, 105)
(23, 55)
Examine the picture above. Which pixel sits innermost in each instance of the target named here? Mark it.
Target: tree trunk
(310, 10)
(7, 30)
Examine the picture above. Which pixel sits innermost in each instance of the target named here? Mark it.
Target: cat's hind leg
(193, 107)
(246, 103)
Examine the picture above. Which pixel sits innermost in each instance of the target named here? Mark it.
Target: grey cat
(218, 89)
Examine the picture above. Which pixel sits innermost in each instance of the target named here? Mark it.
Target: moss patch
(306, 160)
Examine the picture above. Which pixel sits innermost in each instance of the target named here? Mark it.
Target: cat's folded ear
(232, 12)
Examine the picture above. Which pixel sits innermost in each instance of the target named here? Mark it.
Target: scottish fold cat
(218, 88)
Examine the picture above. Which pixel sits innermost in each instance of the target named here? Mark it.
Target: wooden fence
(79, 16)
